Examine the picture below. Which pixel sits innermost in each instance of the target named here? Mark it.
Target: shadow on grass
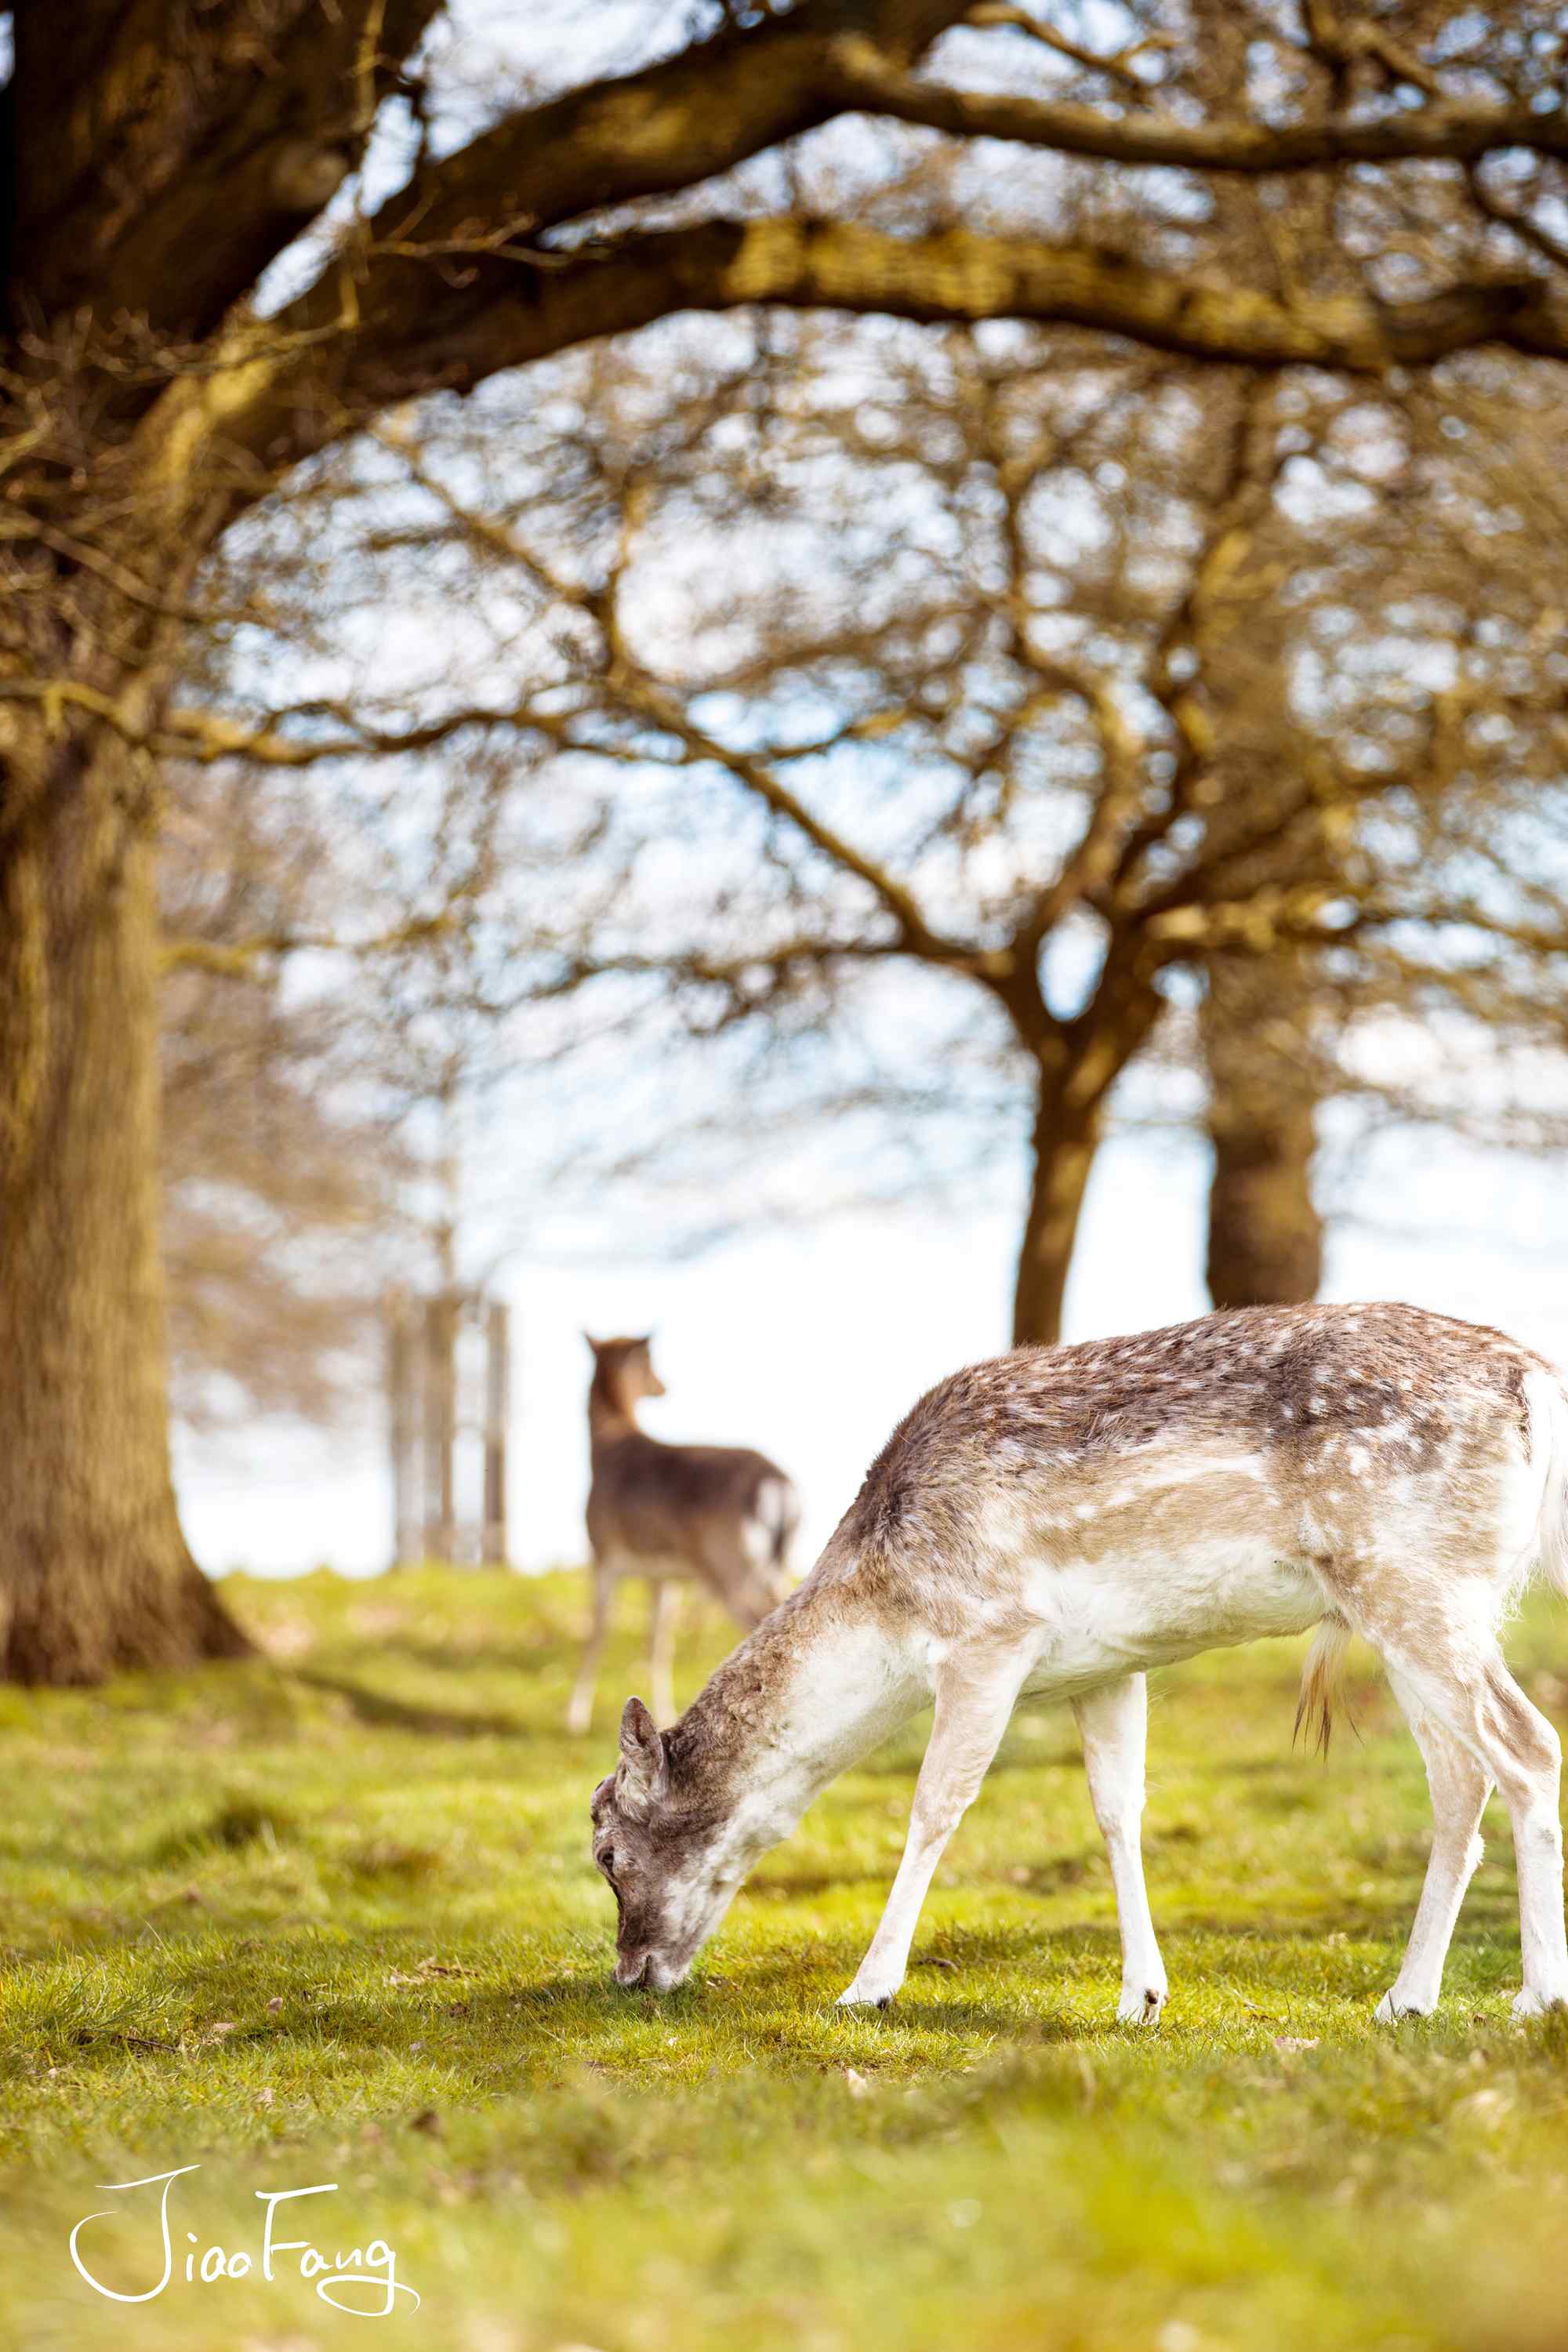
(750, 2001)
(903, 1761)
(236, 1823)
(966, 2018)
(507, 2033)
(800, 1885)
(552, 1646)
(385, 1713)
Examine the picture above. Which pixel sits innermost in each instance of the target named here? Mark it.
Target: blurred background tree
(283, 1160)
(237, 244)
(1032, 727)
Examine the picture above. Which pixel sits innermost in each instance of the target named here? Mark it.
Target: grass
(329, 1917)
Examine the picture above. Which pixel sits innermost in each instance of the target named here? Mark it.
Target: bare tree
(156, 387)
(283, 1106)
(1006, 670)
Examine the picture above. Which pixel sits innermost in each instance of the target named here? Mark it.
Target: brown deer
(718, 1516)
(1051, 1524)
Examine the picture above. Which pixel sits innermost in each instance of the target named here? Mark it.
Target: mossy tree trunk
(1078, 1063)
(1265, 1232)
(94, 1571)
(1066, 1137)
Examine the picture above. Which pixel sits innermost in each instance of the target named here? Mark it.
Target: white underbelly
(1121, 1616)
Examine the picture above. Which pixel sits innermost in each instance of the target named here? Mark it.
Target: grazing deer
(719, 1516)
(1055, 1522)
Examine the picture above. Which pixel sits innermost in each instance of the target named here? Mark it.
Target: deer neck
(816, 1688)
(611, 1413)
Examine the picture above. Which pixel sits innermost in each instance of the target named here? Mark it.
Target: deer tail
(1549, 1443)
(778, 1508)
(1321, 1679)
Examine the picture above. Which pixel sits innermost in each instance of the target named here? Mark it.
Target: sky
(812, 1344)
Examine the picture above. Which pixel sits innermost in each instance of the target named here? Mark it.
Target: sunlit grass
(331, 1917)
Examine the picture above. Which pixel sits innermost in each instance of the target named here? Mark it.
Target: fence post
(429, 1408)
(498, 1404)
(407, 1514)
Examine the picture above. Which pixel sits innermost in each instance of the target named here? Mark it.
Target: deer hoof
(1536, 2004)
(864, 1997)
(1141, 2004)
(1389, 2011)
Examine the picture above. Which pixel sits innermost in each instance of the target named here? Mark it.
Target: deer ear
(644, 1773)
(592, 1341)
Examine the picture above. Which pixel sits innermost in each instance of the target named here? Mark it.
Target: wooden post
(428, 1408)
(440, 1426)
(402, 1419)
(497, 1399)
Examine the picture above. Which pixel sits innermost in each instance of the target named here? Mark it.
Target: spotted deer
(718, 1516)
(1052, 1524)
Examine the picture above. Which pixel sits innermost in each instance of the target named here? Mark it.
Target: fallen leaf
(856, 2084)
(1295, 2042)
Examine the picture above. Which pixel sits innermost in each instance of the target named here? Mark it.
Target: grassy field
(329, 1917)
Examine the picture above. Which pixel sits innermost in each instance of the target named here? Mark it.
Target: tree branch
(238, 958)
(871, 83)
(916, 935)
(203, 737)
(271, 413)
(664, 128)
(627, 683)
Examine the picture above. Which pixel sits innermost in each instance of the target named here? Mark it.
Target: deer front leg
(1114, 1725)
(580, 1711)
(666, 1615)
(974, 1702)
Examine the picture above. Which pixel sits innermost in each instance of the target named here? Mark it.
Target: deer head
(661, 1856)
(624, 1371)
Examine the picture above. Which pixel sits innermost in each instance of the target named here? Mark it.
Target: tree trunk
(94, 1571)
(1077, 1062)
(1265, 1234)
(1066, 1135)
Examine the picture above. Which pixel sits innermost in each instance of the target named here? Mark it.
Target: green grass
(331, 1917)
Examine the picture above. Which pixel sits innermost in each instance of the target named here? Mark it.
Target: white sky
(811, 1345)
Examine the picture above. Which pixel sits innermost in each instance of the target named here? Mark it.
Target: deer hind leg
(973, 1701)
(663, 1619)
(1459, 1678)
(1114, 1725)
(579, 1712)
(1461, 1787)
(727, 1566)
